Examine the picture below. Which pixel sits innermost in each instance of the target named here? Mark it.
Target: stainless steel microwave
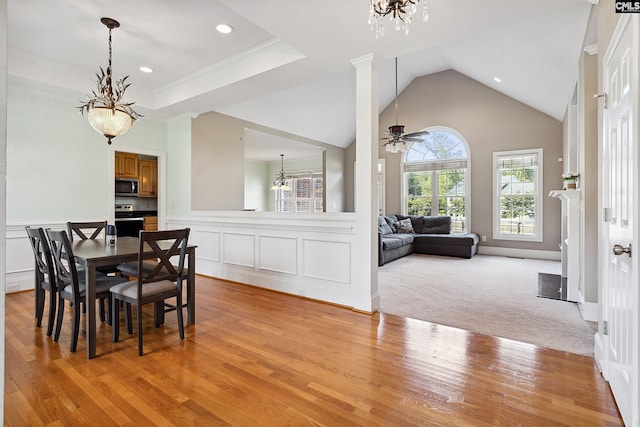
(126, 187)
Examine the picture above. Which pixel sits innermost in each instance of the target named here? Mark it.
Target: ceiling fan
(397, 139)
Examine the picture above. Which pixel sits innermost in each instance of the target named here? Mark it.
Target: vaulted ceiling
(288, 65)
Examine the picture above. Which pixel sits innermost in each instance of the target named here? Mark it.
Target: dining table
(94, 253)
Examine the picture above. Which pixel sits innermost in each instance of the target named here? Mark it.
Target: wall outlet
(484, 238)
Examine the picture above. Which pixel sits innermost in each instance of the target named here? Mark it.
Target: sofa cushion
(416, 221)
(391, 220)
(383, 226)
(396, 240)
(404, 226)
(436, 225)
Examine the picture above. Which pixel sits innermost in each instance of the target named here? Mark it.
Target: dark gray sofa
(429, 235)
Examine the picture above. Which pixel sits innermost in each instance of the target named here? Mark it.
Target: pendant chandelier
(106, 112)
(400, 12)
(280, 183)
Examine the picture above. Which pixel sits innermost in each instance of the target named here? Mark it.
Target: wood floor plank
(257, 357)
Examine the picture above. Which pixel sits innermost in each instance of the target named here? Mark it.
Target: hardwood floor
(256, 357)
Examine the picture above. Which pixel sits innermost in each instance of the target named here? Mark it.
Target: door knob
(619, 249)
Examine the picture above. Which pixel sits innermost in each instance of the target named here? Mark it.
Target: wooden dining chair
(70, 287)
(154, 285)
(91, 230)
(45, 276)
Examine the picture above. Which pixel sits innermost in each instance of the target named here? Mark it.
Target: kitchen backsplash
(139, 203)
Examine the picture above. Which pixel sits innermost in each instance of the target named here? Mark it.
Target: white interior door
(620, 287)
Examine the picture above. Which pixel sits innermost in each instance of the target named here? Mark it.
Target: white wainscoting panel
(238, 249)
(208, 243)
(326, 260)
(311, 255)
(278, 254)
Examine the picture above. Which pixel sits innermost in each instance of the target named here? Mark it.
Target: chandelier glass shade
(106, 111)
(110, 123)
(400, 13)
(280, 183)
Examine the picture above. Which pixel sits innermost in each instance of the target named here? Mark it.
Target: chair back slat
(42, 254)
(164, 269)
(82, 229)
(63, 257)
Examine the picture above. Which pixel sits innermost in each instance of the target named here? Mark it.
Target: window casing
(518, 202)
(306, 194)
(436, 177)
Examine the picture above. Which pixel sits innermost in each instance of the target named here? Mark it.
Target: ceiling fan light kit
(106, 112)
(397, 141)
(400, 12)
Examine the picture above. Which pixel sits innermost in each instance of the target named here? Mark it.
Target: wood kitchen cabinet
(150, 223)
(126, 165)
(147, 178)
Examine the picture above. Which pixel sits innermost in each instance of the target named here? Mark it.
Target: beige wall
(489, 121)
(217, 163)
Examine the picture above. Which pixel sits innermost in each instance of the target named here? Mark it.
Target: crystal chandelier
(399, 11)
(106, 112)
(280, 183)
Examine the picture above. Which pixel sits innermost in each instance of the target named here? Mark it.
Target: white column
(366, 274)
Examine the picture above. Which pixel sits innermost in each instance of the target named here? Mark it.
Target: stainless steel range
(128, 222)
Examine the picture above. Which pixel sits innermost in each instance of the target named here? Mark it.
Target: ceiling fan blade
(420, 134)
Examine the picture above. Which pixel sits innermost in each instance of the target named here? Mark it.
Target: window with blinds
(436, 177)
(305, 194)
(517, 195)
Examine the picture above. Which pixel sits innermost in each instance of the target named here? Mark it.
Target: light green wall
(57, 164)
(256, 185)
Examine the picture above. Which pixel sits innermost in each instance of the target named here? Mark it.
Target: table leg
(91, 310)
(191, 288)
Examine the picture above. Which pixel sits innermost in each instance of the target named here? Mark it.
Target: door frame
(602, 339)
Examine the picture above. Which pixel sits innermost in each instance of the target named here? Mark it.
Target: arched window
(436, 177)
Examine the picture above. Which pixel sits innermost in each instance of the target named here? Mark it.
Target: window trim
(405, 183)
(538, 199)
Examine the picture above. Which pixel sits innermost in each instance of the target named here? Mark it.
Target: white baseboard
(519, 253)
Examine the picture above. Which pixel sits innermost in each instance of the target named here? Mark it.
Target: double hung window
(517, 184)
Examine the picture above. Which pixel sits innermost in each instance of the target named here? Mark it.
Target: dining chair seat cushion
(130, 289)
(130, 269)
(103, 285)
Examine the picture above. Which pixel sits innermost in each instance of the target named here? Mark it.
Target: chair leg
(39, 306)
(139, 312)
(102, 316)
(60, 317)
(115, 318)
(75, 327)
(127, 321)
(52, 313)
(180, 320)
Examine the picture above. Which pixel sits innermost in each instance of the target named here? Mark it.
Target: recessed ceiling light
(146, 69)
(497, 79)
(224, 28)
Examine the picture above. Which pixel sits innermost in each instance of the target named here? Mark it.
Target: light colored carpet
(487, 294)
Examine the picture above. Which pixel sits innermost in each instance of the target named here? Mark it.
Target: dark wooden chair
(45, 276)
(91, 230)
(154, 285)
(70, 287)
